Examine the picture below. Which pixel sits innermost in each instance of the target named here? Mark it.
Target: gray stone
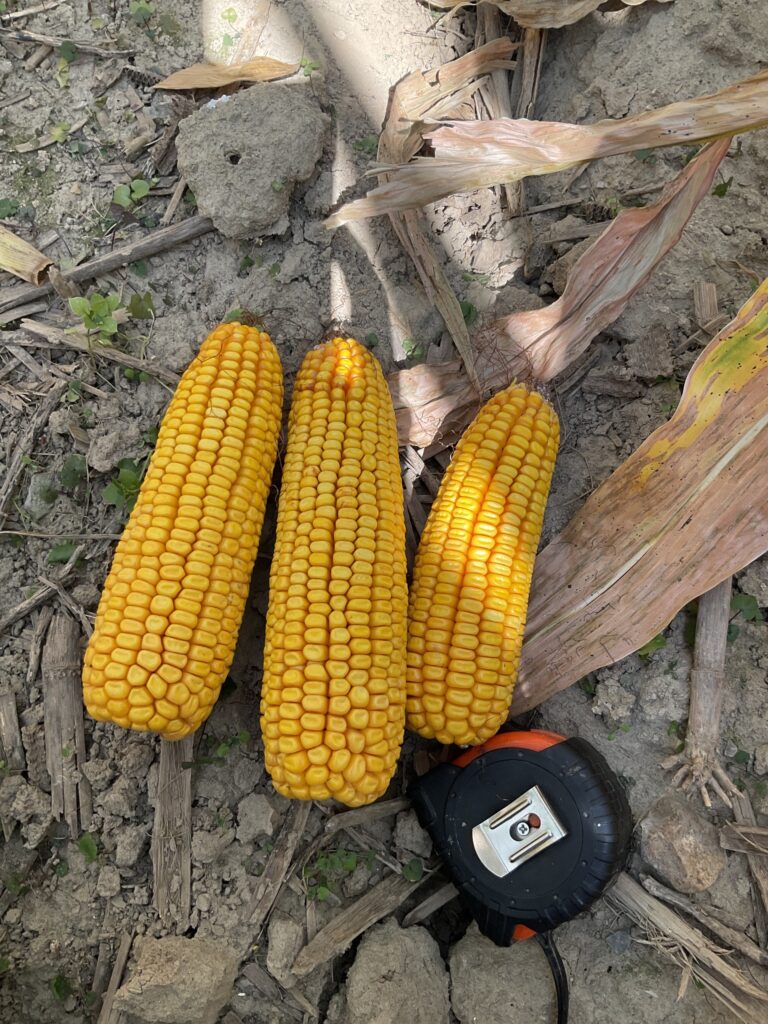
(111, 442)
(31, 807)
(410, 837)
(41, 494)
(681, 846)
(357, 883)
(87, 594)
(131, 842)
(108, 882)
(285, 938)
(243, 158)
(136, 757)
(177, 979)
(99, 773)
(612, 701)
(761, 759)
(398, 975)
(256, 817)
(120, 799)
(207, 847)
(495, 985)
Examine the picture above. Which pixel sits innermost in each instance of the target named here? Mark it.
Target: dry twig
(171, 846)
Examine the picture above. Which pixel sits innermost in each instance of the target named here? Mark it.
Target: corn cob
(333, 697)
(170, 612)
(473, 570)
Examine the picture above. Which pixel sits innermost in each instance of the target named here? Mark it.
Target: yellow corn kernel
(163, 642)
(473, 570)
(336, 622)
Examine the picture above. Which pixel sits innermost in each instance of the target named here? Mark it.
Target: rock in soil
(410, 837)
(398, 975)
(286, 937)
(243, 158)
(176, 979)
(256, 817)
(493, 985)
(681, 846)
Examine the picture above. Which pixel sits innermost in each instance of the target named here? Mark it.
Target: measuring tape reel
(532, 828)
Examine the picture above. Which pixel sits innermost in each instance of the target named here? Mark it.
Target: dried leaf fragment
(543, 13)
(214, 76)
(688, 509)
(20, 258)
(476, 154)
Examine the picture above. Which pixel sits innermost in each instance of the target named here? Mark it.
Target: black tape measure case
(531, 826)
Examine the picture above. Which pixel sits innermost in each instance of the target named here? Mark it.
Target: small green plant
(61, 553)
(87, 845)
(218, 750)
(141, 306)
(412, 349)
(8, 208)
(135, 375)
(741, 757)
(413, 870)
(168, 25)
(746, 605)
(371, 340)
(308, 66)
(369, 144)
(123, 489)
(643, 155)
(140, 268)
(140, 11)
(61, 868)
(721, 189)
(229, 14)
(67, 53)
(245, 264)
(60, 131)
(654, 644)
(5, 965)
(469, 312)
(96, 313)
(14, 883)
(480, 278)
(61, 987)
(278, 185)
(326, 871)
(129, 195)
(274, 269)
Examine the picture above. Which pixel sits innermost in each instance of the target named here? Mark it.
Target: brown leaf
(476, 154)
(543, 13)
(213, 76)
(436, 402)
(20, 258)
(686, 510)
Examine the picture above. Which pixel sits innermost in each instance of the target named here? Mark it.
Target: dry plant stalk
(477, 154)
(214, 76)
(542, 13)
(691, 950)
(436, 402)
(171, 847)
(63, 722)
(688, 509)
(435, 93)
(20, 258)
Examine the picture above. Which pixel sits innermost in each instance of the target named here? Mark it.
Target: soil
(71, 907)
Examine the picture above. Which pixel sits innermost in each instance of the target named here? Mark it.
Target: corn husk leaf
(20, 258)
(436, 402)
(542, 13)
(214, 76)
(475, 154)
(687, 510)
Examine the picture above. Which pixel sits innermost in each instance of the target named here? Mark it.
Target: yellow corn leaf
(437, 402)
(214, 76)
(542, 13)
(688, 509)
(20, 258)
(475, 154)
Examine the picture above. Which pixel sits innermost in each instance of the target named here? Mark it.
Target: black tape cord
(559, 973)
